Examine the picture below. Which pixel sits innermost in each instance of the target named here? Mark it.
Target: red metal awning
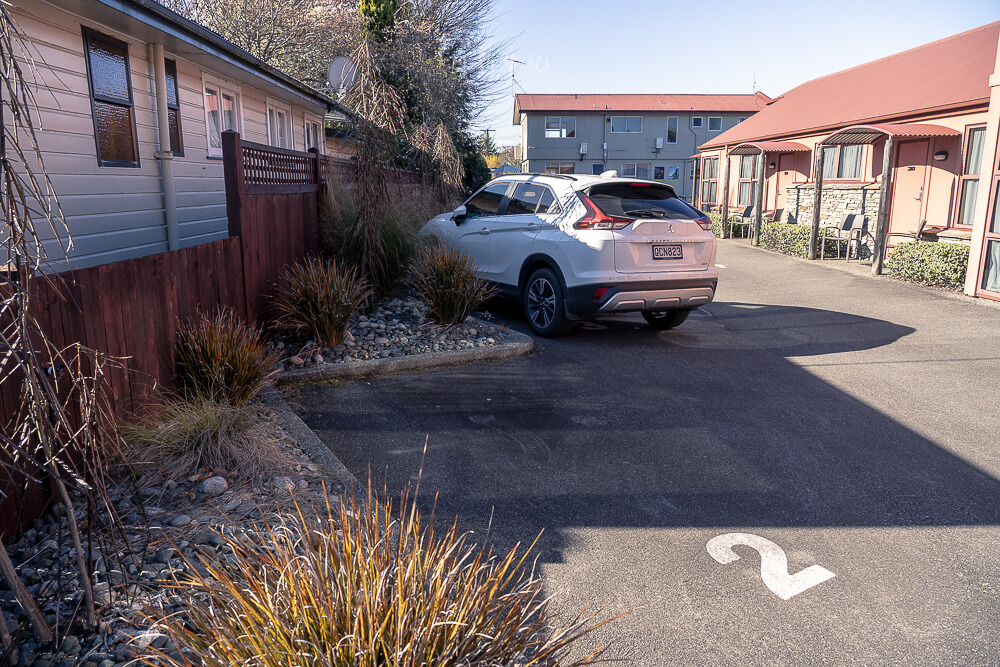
(758, 147)
(869, 134)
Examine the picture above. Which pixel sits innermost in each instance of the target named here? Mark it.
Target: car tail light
(704, 222)
(599, 293)
(596, 219)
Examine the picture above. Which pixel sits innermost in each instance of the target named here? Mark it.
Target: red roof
(950, 73)
(652, 102)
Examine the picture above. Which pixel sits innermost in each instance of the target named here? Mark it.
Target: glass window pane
(850, 162)
(171, 68)
(525, 199)
(229, 112)
(672, 130)
(746, 193)
(566, 168)
(486, 202)
(597, 169)
(114, 132)
(635, 123)
(991, 273)
(967, 203)
(622, 198)
(696, 121)
(642, 170)
(746, 166)
(713, 195)
(547, 202)
(213, 118)
(174, 121)
(551, 123)
(628, 170)
(715, 124)
(569, 127)
(974, 151)
(829, 161)
(108, 69)
(995, 220)
(617, 123)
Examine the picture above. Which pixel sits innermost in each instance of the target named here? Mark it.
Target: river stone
(214, 486)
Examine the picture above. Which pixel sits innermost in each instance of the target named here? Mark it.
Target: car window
(525, 199)
(486, 202)
(641, 200)
(547, 203)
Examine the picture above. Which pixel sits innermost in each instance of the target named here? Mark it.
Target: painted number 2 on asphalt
(773, 563)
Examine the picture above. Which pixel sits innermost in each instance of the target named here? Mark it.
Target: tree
(378, 17)
(485, 144)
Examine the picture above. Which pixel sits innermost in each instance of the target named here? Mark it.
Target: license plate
(671, 251)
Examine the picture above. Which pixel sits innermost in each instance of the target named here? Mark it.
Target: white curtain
(991, 281)
(850, 161)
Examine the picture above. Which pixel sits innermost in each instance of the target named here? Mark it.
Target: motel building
(907, 143)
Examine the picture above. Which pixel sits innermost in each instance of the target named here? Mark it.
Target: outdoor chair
(745, 219)
(852, 229)
(776, 215)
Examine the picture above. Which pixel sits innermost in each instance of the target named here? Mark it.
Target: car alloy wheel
(541, 302)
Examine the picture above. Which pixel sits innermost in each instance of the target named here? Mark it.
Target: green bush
(737, 232)
(791, 239)
(222, 359)
(930, 263)
(446, 279)
(319, 299)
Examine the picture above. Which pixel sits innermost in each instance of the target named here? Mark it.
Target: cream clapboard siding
(116, 213)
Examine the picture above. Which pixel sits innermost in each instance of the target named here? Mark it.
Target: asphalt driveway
(853, 423)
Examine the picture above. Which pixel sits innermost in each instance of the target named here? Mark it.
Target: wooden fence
(131, 309)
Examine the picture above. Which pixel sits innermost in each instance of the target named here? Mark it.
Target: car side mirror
(459, 215)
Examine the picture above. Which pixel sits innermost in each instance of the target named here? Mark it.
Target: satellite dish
(342, 73)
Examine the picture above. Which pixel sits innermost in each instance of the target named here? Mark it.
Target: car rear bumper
(667, 294)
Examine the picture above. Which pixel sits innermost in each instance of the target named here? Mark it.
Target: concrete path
(808, 414)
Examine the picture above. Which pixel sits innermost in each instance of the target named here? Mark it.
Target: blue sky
(656, 46)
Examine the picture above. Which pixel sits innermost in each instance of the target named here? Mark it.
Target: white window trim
(677, 130)
(700, 119)
(740, 119)
(545, 123)
(709, 123)
(220, 84)
(320, 132)
(278, 105)
(626, 124)
(635, 169)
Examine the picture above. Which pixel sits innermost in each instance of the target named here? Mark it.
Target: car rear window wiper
(654, 212)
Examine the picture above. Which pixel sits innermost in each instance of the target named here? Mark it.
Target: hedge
(930, 263)
(791, 239)
(738, 232)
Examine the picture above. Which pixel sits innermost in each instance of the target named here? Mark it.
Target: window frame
(594, 170)
(90, 34)
(837, 164)
(700, 123)
(626, 130)
(308, 120)
(221, 86)
(963, 177)
(710, 178)
(563, 131)
(740, 119)
(559, 167)
(752, 181)
(279, 107)
(709, 123)
(169, 63)
(677, 129)
(511, 194)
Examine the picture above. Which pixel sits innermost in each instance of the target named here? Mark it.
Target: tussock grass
(446, 280)
(370, 585)
(222, 359)
(319, 299)
(186, 435)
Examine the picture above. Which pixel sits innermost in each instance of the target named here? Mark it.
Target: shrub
(363, 585)
(738, 232)
(222, 359)
(446, 280)
(930, 263)
(187, 435)
(792, 239)
(319, 299)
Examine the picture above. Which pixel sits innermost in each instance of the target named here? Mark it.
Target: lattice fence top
(276, 167)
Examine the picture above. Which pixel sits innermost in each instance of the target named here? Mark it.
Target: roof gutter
(160, 18)
(925, 114)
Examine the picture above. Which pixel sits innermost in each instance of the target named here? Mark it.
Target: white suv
(569, 247)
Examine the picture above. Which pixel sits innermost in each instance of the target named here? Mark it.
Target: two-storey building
(643, 136)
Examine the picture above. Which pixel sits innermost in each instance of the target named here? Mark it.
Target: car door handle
(484, 231)
(532, 226)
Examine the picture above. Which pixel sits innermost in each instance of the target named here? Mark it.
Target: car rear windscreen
(639, 200)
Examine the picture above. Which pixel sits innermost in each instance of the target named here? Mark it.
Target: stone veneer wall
(838, 200)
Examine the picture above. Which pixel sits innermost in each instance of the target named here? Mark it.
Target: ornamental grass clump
(364, 584)
(187, 435)
(446, 280)
(222, 359)
(319, 299)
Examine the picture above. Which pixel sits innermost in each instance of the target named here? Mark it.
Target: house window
(672, 130)
(747, 185)
(972, 158)
(111, 100)
(636, 170)
(626, 124)
(657, 173)
(628, 170)
(714, 123)
(559, 168)
(697, 121)
(560, 127)
(173, 109)
(843, 162)
(313, 134)
(740, 119)
(597, 169)
(709, 180)
(279, 125)
(222, 112)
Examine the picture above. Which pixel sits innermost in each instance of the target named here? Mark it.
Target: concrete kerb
(515, 344)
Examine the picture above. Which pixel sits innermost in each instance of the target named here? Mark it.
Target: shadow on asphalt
(620, 425)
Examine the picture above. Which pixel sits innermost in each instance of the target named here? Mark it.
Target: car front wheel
(665, 319)
(544, 305)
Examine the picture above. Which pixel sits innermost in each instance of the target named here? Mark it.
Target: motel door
(785, 175)
(909, 181)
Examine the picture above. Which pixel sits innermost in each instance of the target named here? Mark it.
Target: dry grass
(446, 279)
(222, 359)
(319, 299)
(368, 585)
(187, 435)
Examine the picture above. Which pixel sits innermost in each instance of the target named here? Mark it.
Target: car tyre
(545, 306)
(665, 319)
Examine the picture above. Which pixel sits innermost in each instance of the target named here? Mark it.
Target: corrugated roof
(651, 102)
(867, 134)
(948, 73)
(758, 147)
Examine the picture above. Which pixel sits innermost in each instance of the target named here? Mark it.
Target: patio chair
(852, 229)
(745, 219)
(776, 215)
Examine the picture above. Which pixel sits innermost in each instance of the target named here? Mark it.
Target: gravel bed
(398, 327)
(163, 520)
